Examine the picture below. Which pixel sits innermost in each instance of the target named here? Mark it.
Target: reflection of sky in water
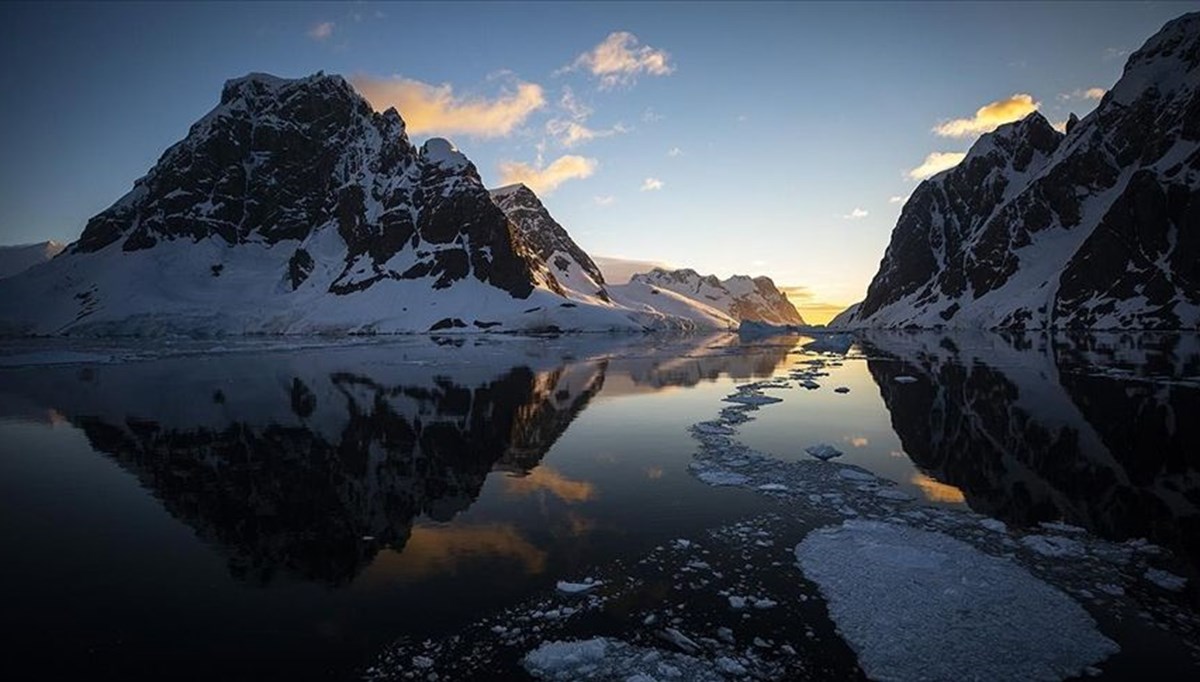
(857, 423)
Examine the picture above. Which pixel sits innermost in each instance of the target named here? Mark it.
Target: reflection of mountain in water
(1098, 431)
(307, 463)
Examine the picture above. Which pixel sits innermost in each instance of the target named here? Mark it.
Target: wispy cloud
(1111, 53)
(674, 151)
(546, 179)
(652, 185)
(619, 270)
(321, 31)
(936, 163)
(620, 58)
(430, 108)
(652, 116)
(1084, 94)
(898, 199)
(989, 117)
(572, 130)
(605, 200)
(856, 214)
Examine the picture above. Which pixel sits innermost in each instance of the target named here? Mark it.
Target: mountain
(740, 297)
(583, 282)
(294, 207)
(574, 269)
(17, 259)
(1098, 228)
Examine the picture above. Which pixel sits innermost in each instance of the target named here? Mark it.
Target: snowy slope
(17, 259)
(1036, 229)
(293, 207)
(641, 295)
(739, 297)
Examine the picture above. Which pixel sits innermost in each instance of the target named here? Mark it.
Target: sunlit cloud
(1115, 53)
(544, 180)
(652, 185)
(572, 133)
(428, 108)
(620, 59)
(605, 200)
(1084, 94)
(856, 214)
(654, 473)
(936, 163)
(857, 441)
(674, 151)
(936, 491)
(1060, 126)
(989, 117)
(898, 199)
(321, 31)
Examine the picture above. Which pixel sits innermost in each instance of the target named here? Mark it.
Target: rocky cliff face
(743, 298)
(1097, 228)
(544, 237)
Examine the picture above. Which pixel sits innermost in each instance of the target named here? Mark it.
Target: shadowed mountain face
(1091, 430)
(305, 465)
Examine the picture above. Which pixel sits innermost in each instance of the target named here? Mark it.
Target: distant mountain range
(1097, 228)
(293, 207)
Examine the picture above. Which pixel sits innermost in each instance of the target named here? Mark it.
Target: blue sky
(795, 125)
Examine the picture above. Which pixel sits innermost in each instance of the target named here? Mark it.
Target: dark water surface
(287, 513)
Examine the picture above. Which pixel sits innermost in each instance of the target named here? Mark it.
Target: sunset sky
(776, 139)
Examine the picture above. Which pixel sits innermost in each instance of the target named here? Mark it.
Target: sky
(774, 139)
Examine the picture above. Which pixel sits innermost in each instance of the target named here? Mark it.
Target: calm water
(289, 513)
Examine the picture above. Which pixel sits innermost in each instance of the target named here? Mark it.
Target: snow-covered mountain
(293, 207)
(1098, 228)
(583, 282)
(740, 297)
(17, 259)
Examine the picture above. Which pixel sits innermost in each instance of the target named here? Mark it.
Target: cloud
(989, 117)
(618, 270)
(572, 133)
(936, 491)
(936, 163)
(620, 59)
(573, 130)
(898, 199)
(605, 200)
(1089, 93)
(652, 185)
(545, 479)
(652, 116)
(1115, 53)
(1060, 126)
(544, 180)
(674, 151)
(321, 31)
(856, 214)
(430, 109)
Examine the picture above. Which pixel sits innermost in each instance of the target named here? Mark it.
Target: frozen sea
(885, 505)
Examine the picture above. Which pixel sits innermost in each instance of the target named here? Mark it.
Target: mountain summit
(1098, 228)
(294, 207)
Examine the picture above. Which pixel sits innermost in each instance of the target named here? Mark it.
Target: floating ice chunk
(765, 603)
(752, 399)
(736, 602)
(713, 428)
(823, 451)
(773, 487)
(903, 599)
(1167, 581)
(722, 478)
(893, 494)
(1053, 545)
(577, 588)
(730, 667)
(601, 658)
(905, 379)
(842, 389)
(855, 475)
(994, 525)
(1056, 527)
